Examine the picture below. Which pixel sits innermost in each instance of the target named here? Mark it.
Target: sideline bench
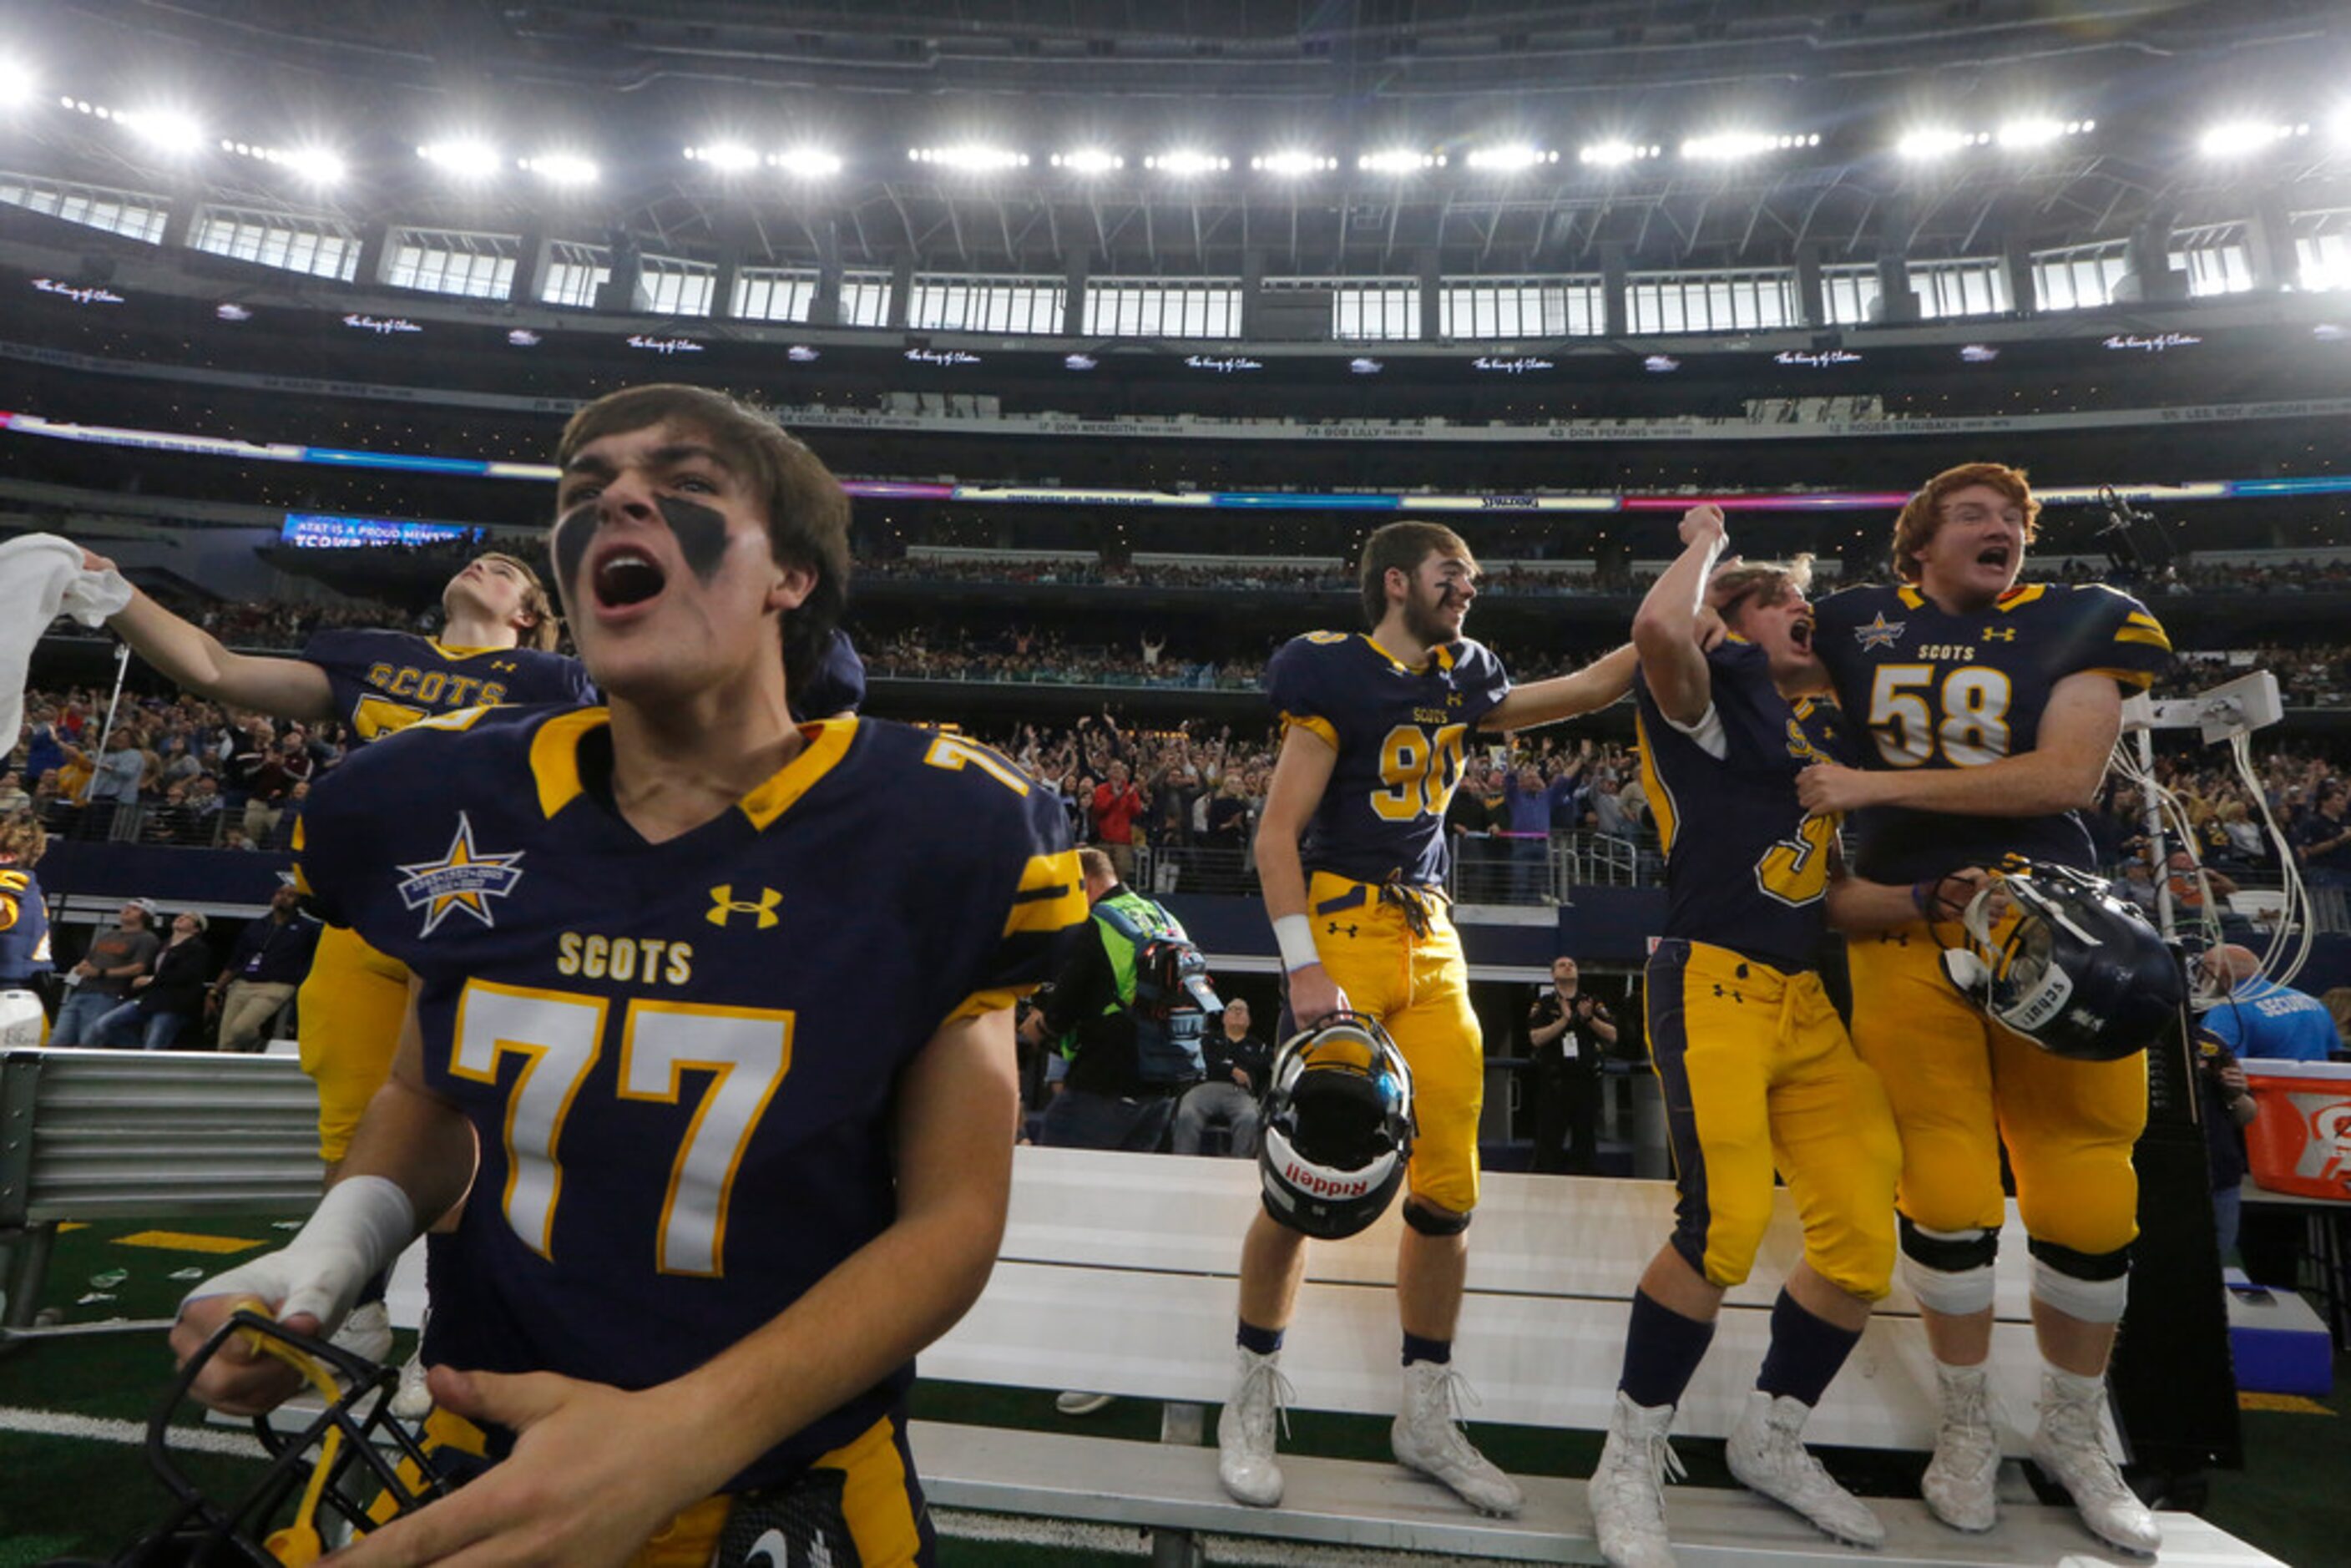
(1117, 1275)
(103, 1134)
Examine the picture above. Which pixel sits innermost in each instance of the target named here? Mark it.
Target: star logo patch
(1880, 632)
(464, 879)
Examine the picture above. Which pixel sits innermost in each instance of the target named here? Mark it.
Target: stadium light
(969, 157)
(18, 84)
(165, 129)
(1089, 160)
(1509, 158)
(726, 157)
(1928, 143)
(1613, 154)
(566, 169)
(2235, 138)
(1185, 162)
(1729, 145)
(319, 165)
(2020, 135)
(465, 158)
(808, 162)
(1293, 163)
(1396, 161)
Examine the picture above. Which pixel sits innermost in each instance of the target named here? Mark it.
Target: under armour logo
(1999, 633)
(725, 905)
(1333, 929)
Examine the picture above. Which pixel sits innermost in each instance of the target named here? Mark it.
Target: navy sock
(1661, 1350)
(1805, 1352)
(1258, 1341)
(1415, 1348)
(373, 1291)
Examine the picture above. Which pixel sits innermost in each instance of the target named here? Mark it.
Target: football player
(1990, 708)
(495, 646)
(24, 931)
(1758, 1073)
(1375, 728)
(745, 1121)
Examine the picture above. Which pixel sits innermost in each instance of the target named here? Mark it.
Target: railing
(1487, 868)
(163, 826)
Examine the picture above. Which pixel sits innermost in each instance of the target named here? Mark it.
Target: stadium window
(865, 299)
(772, 294)
(450, 261)
(315, 245)
(1150, 308)
(1567, 307)
(674, 286)
(2078, 278)
(1961, 286)
(574, 273)
(1711, 301)
(986, 304)
(133, 215)
(2215, 258)
(2326, 260)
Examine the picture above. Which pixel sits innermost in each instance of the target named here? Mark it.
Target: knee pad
(1433, 1222)
(1948, 1270)
(2089, 1286)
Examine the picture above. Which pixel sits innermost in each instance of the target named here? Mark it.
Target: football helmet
(2078, 971)
(1338, 1127)
(350, 1463)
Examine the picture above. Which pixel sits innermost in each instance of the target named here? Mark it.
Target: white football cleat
(2071, 1445)
(1245, 1430)
(1628, 1489)
(1957, 1485)
(1767, 1454)
(1427, 1436)
(366, 1331)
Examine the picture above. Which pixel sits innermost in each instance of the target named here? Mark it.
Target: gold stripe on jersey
(981, 1003)
(826, 743)
(1321, 729)
(555, 756)
(1051, 894)
(2142, 628)
(2138, 680)
(2017, 598)
(1662, 809)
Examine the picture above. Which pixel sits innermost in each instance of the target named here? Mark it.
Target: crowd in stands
(167, 772)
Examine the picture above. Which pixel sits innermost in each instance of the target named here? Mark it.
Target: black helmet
(2078, 972)
(1338, 1127)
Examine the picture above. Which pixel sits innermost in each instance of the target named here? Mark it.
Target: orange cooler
(2301, 1142)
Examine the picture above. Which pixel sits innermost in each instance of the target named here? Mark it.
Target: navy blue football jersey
(385, 680)
(679, 1059)
(24, 926)
(1401, 734)
(1746, 867)
(1935, 690)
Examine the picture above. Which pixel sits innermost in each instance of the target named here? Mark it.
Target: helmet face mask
(1338, 1129)
(368, 1457)
(2076, 970)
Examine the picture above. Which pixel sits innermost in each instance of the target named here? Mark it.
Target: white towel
(41, 577)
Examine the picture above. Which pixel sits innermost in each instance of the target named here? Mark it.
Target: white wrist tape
(1294, 935)
(358, 1229)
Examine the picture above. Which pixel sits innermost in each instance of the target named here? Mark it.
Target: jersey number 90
(1419, 770)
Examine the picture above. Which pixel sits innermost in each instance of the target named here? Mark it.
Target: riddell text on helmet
(1306, 1178)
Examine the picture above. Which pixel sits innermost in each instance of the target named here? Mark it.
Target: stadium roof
(1333, 137)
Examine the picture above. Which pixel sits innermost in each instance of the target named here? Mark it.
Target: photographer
(1568, 1032)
